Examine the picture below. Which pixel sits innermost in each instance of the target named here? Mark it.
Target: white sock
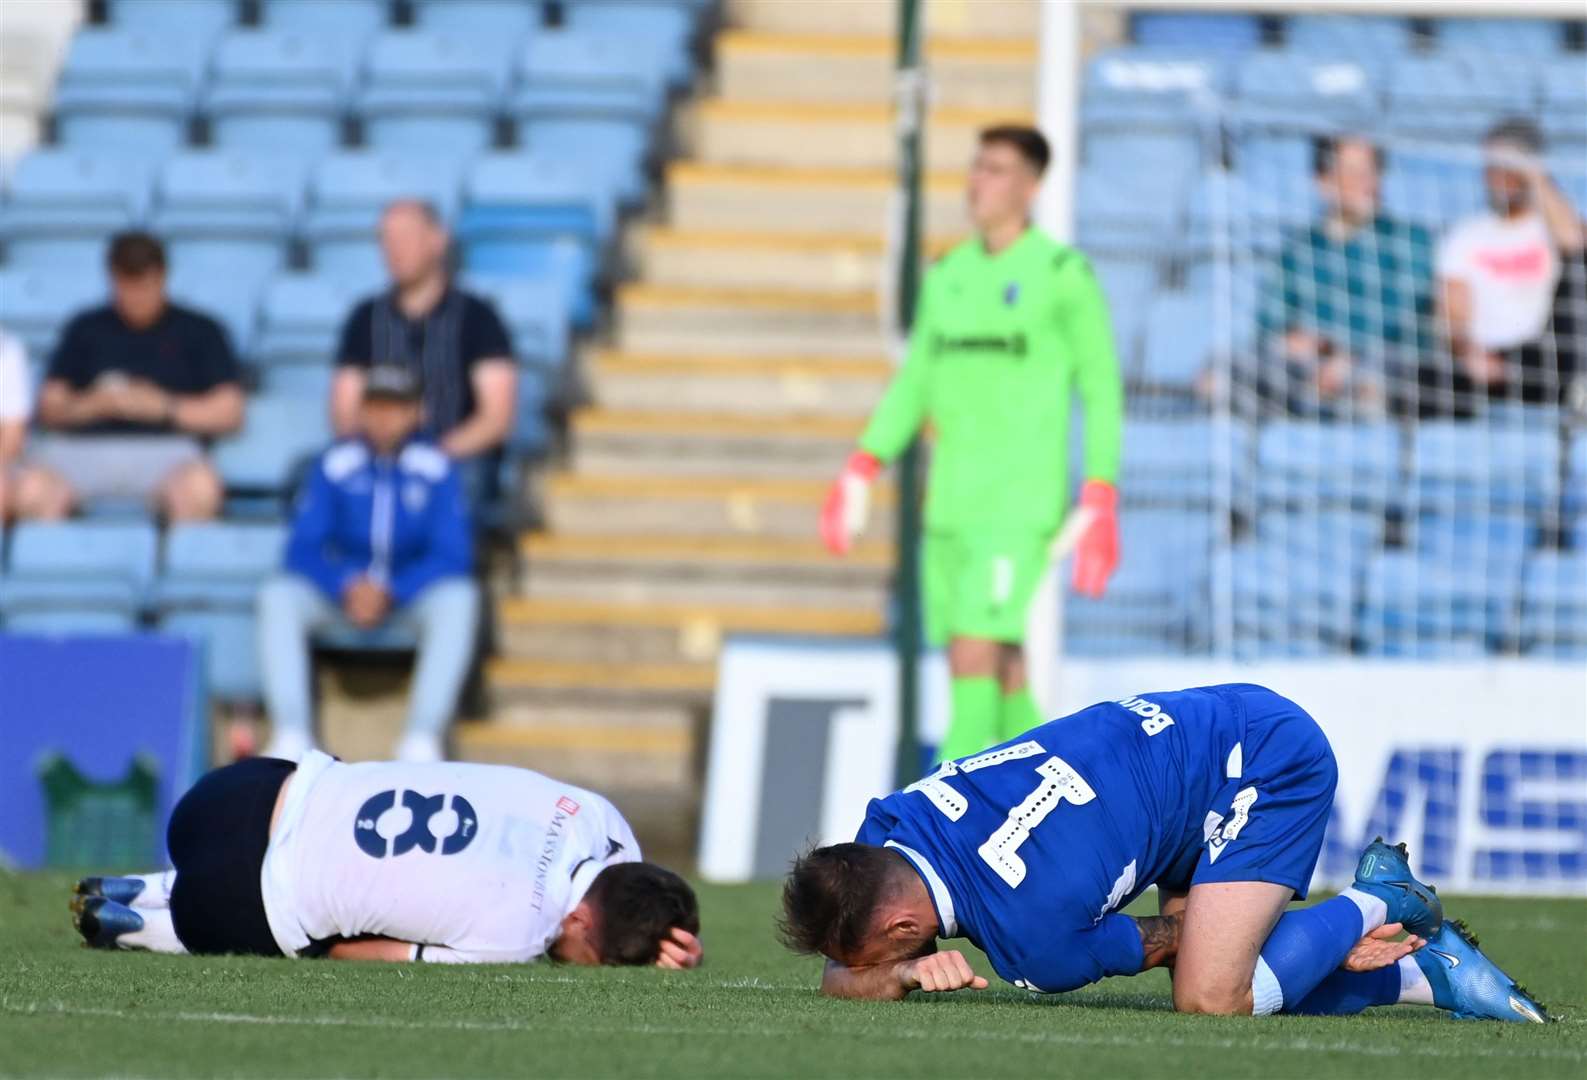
(158, 934)
(1374, 912)
(1414, 987)
(419, 747)
(156, 893)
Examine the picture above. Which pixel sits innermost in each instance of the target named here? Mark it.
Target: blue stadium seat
(665, 28)
(1321, 534)
(1200, 31)
(279, 435)
(1162, 160)
(611, 69)
(35, 304)
(1564, 88)
(1348, 35)
(1458, 96)
(231, 300)
(1459, 466)
(1158, 600)
(1144, 87)
(1179, 340)
(1179, 462)
(1127, 284)
(1415, 606)
(201, 19)
(64, 204)
(229, 213)
(1554, 604)
(531, 436)
(1476, 539)
(278, 92)
(230, 644)
(1528, 38)
(1124, 214)
(127, 92)
(1431, 188)
(498, 20)
(301, 316)
(1333, 464)
(345, 20)
(348, 192)
(536, 311)
(1291, 600)
(85, 566)
(1307, 92)
(1576, 477)
(1256, 212)
(432, 93)
(604, 133)
(217, 565)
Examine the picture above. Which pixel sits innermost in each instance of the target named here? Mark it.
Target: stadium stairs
(745, 354)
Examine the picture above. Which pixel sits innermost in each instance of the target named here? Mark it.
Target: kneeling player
(1218, 795)
(445, 862)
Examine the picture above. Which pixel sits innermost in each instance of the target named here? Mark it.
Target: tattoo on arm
(1159, 939)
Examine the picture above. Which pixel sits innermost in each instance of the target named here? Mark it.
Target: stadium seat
(1127, 285)
(1564, 88)
(1321, 535)
(1158, 600)
(1415, 606)
(1348, 35)
(611, 68)
(64, 204)
(200, 19)
(604, 133)
(230, 644)
(1255, 212)
(301, 316)
(1183, 462)
(1305, 92)
(1329, 464)
(35, 304)
(1476, 540)
(217, 565)
(432, 93)
(279, 435)
(662, 28)
(348, 192)
(232, 300)
(1432, 188)
(1521, 38)
(1199, 31)
(1179, 340)
(1291, 600)
(227, 212)
(499, 20)
(1151, 88)
(1554, 604)
(536, 311)
(278, 92)
(1576, 476)
(1457, 97)
(339, 20)
(127, 92)
(1125, 214)
(1460, 466)
(86, 566)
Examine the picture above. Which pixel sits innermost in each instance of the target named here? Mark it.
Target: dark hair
(1031, 144)
(1518, 130)
(1325, 151)
(135, 253)
(831, 896)
(637, 904)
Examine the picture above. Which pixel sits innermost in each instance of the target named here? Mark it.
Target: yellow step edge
(623, 421)
(698, 172)
(743, 367)
(510, 673)
(802, 112)
(826, 243)
(1013, 50)
(725, 617)
(775, 550)
(629, 739)
(770, 489)
(853, 302)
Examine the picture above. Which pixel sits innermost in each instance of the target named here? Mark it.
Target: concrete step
(814, 262)
(659, 504)
(735, 198)
(829, 67)
(761, 571)
(688, 449)
(944, 18)
(563, 684)
(761, 386)
(662, 318)
(832, 136)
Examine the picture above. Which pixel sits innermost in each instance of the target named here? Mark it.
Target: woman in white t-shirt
(16, 405)
(1511, 284)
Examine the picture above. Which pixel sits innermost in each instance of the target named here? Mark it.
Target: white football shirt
(15, 399)
(1511, 270)
(476, 863)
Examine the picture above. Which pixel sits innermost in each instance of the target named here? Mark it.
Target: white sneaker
(419, 749)
(288, 745)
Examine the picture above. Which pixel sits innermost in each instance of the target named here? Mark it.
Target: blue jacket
(401, 520)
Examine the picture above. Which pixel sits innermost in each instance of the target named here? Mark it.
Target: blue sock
(1306, 946)
(1345, 993)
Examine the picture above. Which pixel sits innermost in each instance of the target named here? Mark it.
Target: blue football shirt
(1029, 848)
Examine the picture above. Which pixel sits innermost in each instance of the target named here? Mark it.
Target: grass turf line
(752, 1011)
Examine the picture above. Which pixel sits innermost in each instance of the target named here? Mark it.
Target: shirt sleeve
(309, 550)
(70, 362)
(1454, 254)
(1089, 331)
(357, 344)
(1064, 962)
(903, 406)
(215, 360)
(485, 337)
(878, 824)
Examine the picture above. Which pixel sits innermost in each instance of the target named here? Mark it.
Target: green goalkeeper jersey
(998, 342)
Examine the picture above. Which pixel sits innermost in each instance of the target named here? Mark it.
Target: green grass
(751, 1011)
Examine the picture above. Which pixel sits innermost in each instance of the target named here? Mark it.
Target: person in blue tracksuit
(381, 537)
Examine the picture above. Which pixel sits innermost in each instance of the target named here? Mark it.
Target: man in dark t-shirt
(132, 391)
(453, 341)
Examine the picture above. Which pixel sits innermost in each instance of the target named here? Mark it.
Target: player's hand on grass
(1379, 949)
(681, 951)
(940, 971)
(847, 503)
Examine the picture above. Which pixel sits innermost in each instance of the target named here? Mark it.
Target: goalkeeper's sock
(1017, 715)
(977, 699)
(1345, 993)
(1308, 945)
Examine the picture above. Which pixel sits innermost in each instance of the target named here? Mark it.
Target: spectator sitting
(131, 393)
(1345, 309)
(452, 340)
(1512, 285)
(15, 405)
(381, 536)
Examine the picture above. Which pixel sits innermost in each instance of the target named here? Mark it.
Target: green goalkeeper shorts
(979, 585)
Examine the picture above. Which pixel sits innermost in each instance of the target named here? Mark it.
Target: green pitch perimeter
(751, 1011)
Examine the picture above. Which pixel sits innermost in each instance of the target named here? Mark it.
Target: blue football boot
(1471, 986)
(1385, 872)
(123, 890)
(102, 921)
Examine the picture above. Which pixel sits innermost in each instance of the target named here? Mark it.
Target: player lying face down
(1219, 796)
(443, 862)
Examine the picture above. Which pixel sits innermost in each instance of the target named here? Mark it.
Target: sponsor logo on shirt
(555, 834)
(1012, 345)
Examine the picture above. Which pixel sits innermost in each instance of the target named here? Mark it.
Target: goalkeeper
(1007, 322)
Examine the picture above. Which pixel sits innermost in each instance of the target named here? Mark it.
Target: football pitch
(752, 1010)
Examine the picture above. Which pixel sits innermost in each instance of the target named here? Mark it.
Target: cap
(392, 381)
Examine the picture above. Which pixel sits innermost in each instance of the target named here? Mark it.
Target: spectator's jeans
(444, 616)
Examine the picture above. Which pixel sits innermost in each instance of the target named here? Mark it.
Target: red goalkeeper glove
(848, 501)
(1098, 553)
